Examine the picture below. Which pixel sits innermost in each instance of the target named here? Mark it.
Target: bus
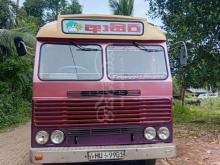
(102, 91)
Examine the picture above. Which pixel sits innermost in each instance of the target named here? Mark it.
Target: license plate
(106, 155)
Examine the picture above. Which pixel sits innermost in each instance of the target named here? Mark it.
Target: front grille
(105, 131)
(100, 112)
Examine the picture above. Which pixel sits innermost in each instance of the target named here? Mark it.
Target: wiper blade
(146, 49)
(83, 48)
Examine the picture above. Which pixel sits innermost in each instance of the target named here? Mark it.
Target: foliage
(36, 8)
(13, 110)
(176, 87)
(48, 10)
(15, 80)
(7, 13)
(25, 23)
(54, 8)
(73, 8)
(122, 7)
(196, 23)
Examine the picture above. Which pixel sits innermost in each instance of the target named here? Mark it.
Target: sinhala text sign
(104, 27)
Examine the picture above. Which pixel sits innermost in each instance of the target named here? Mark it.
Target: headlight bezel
(153, 131)
(42, 134)
(161, 134)
(54, 134)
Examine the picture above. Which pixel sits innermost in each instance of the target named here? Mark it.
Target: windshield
(70, 62)
(134, 62)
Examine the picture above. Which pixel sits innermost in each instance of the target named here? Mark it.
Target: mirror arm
(29, 47)
(30, 50)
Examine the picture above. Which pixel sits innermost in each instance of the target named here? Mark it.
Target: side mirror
(172, 67)
(183, 52)
(20, 46)
(183, 55)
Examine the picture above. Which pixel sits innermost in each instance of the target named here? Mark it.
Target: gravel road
(192, 149)
(14, 146)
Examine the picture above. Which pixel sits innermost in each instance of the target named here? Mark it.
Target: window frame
(130, 44)
(68, 43)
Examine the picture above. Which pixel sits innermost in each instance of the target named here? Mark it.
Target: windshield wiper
(83, 48)
(146, 49)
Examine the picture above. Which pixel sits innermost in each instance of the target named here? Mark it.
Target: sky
(102, 7)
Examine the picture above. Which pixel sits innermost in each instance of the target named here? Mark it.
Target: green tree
(36, 8)
(54, 8)
(25, 23)
(48, 10)
(122, 7)
(7, 13)
(196, 23)
(73, 8)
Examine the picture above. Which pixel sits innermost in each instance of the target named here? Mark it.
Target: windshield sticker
(102, 27)
(137, 76)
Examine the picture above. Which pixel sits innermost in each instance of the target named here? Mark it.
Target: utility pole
(18, 2)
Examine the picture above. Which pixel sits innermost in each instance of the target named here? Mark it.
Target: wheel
(146, 162)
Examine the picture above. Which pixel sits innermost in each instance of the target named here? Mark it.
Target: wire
(73, 61)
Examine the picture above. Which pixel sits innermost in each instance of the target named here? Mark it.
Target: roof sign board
(103, 27)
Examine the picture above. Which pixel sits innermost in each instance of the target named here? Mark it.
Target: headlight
(163, 133)
(42, 137)
(149, 133)
(57, 137)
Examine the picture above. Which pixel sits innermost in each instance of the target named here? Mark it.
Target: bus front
(102, 91)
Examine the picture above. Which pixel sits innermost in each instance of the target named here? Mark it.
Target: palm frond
(122, 7)
(7, 41)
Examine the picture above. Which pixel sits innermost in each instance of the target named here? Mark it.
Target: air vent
(104, 93)
(104, 131)
(95, 112)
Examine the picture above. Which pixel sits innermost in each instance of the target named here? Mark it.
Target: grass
(207, 112)
(197, 120)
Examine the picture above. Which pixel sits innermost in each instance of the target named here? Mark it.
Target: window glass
(70, 62)
(132, 62)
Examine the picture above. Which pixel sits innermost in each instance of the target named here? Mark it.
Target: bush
(15, 91)
(13, 110)
(15, 82)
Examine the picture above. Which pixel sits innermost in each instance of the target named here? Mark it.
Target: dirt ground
(194, 147)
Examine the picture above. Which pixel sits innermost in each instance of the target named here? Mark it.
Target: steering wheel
(73, 67)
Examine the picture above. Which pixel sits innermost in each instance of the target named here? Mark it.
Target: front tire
(147, 162)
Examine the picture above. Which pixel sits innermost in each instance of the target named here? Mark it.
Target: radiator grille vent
(104, 131)
(100, 112)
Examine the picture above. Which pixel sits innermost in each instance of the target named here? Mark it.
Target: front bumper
(79, 154)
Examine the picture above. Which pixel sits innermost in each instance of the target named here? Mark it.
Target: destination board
(103, 27)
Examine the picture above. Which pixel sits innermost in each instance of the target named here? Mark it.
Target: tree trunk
(183, 91)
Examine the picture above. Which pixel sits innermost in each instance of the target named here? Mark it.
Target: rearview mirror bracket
(183, 52)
